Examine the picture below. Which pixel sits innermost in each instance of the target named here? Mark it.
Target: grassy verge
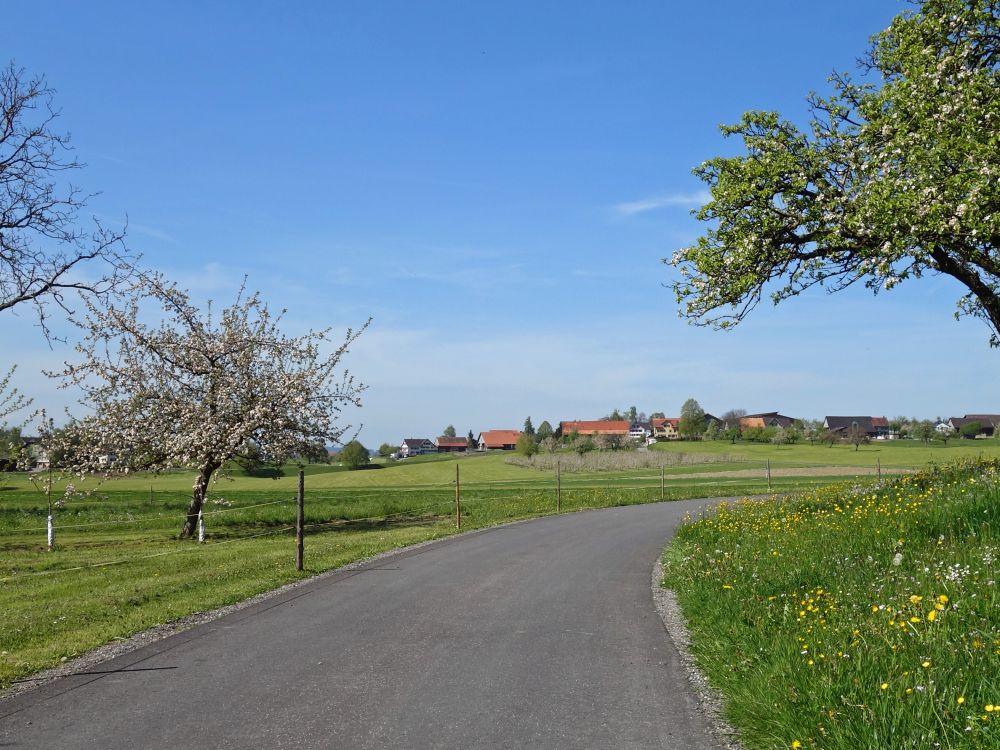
(118, 568)
(852, 617)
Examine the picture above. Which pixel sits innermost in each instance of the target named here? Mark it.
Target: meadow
(852, 616)
(118, 568)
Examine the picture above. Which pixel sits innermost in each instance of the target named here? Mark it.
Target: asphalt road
(535, 635)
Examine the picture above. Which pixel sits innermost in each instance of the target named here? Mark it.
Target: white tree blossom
(196, 391)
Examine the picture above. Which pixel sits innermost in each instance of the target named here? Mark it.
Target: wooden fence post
(878, 467)
(661, 483)
(458, 500)
(768, 475)
(558, 489)
(300, 522)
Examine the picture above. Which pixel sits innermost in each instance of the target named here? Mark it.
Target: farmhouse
(596, 427)
(416, 447)
(988, 423)
(767, 419)
(640, 430)
(665, 428)
(843, 424)
(504, 440)
(452, 444)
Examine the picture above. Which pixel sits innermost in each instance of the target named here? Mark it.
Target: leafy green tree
(923, 430)
(970, 430)
(312, 452)
(633, 415)
(386, 449)
(11, 447)
(354, 455)
(470, 442)
(526, 445)
(712, 431)
(544, 431)
(449, 431)
(529, 429)
(890, 181)
(615, 416)
(657, 415)
(692, 421)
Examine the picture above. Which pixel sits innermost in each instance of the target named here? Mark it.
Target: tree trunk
(198, 499)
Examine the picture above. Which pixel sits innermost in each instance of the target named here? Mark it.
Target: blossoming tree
(197, 390)
(889, 182)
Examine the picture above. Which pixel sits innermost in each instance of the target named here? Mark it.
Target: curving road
(540, 634)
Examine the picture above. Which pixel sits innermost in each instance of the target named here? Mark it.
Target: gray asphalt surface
(540, 634)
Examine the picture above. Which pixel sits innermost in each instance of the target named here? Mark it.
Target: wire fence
(331, 509)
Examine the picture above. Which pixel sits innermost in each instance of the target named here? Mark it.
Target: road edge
(710, 701)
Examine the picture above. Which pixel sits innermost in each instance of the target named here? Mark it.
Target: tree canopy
(692, 422)
(890, 181)
(544, 430)
(354, 455)
(196, 389)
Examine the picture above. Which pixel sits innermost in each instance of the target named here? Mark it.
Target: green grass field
(852, 618)
(118, 567)
(890, 453)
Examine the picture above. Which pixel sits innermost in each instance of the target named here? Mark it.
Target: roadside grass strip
(857, 616)
(118, 568)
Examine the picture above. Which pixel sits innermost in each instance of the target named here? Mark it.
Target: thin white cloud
(152, 232)
(663, 200)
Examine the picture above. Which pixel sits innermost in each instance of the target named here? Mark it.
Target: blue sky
(495, 184)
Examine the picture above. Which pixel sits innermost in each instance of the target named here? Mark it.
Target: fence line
(589, 481)
(244, 507)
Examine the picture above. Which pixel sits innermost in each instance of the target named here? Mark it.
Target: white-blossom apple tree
(195, 389)
(893, 179)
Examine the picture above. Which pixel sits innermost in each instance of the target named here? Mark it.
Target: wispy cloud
(153, 232)
(662, 200)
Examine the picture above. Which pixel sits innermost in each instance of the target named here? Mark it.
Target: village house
(504, 440)
(596, 427)
(874, 427)
(447, 444)
(665, 428)
(416, 447)
(640, 430)
(988, 423)
(767, 419)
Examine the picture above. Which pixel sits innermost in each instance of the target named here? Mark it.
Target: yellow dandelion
(796, 744)
(914, 599)
(960, 700)
(884, 686)
(943, 599)
(931, 615)
(925, 664)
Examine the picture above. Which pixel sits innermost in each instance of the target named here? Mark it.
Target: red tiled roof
(880, 422)
(452, 442)
(600, 426)
(499, 438)
(661, 421)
